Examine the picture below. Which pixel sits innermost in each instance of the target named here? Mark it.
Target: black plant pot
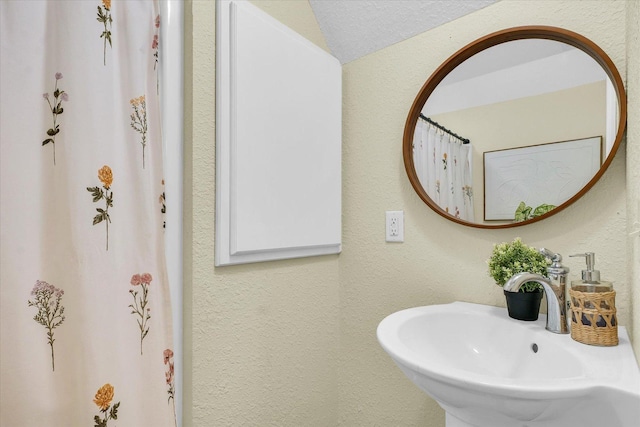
(523, 305)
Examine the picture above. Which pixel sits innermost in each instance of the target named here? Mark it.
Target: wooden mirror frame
(511, 34)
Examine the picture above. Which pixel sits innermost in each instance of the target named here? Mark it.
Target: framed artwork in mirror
(544, 175)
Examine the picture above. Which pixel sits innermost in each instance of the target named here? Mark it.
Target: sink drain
(534, 347)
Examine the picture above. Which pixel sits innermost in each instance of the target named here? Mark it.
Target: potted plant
(510, 258)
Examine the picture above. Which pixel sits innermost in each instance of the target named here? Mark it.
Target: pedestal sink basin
(488, 370)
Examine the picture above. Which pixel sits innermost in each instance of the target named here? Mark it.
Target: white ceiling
(354, 28)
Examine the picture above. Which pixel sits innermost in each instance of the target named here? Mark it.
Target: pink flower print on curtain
(56, 109)
(154, 47)
(103, 399)
(140, 303)
(105, 175)
(155, 43)
(48, 301)
(104, 16)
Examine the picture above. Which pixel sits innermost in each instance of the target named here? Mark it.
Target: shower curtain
(443, 165)
(85, 315)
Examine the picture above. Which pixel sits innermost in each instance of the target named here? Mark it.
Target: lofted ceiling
(354, 28)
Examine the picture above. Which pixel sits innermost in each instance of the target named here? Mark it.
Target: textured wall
(292, 343)
(633, 160)
(440, 261)
(262, 338)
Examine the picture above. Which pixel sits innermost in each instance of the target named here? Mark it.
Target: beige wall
(441, 261)
(292, 343)
(633, 162)
(261, 340)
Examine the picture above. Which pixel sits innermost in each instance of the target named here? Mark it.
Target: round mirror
(514, 127)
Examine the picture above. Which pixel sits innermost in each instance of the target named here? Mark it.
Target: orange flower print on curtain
(103, 399)
(56, 109)
(169, 374)
(104, 16)
(105, 175)
(48, 301)
(140, 303)
(139, 120)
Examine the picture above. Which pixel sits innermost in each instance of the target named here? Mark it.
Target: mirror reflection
(515, 131)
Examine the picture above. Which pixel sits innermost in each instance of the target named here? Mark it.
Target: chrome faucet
(554, 288)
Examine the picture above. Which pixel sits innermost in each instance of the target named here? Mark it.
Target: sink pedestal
(451, 421)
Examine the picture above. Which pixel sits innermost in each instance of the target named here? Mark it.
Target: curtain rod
(442, 128)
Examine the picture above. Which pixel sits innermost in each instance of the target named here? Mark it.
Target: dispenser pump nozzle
(590, 275)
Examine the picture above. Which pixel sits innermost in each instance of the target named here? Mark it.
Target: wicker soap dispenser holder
(593, 308)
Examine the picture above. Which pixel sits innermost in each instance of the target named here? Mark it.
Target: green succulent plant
(510, 258)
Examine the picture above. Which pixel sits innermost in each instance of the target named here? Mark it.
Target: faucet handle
(554, 257)
(556, 267)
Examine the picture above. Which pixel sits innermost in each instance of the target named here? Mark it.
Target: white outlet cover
(394, 230)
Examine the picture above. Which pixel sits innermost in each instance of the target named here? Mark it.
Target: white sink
(488, 370)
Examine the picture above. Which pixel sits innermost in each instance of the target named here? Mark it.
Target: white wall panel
(278, 142)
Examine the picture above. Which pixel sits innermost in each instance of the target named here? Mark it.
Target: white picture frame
(549, 173)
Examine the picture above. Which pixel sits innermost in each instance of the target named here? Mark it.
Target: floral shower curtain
(443, 165)
(85, 317)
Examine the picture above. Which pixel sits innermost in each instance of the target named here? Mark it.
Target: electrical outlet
(395, 226)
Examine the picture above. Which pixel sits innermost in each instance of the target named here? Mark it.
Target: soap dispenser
(593, 307)
(590, 277)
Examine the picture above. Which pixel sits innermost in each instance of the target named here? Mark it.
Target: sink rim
(590, 356)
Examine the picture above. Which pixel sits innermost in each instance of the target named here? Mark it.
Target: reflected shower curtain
(443, 165)
(85, 317)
